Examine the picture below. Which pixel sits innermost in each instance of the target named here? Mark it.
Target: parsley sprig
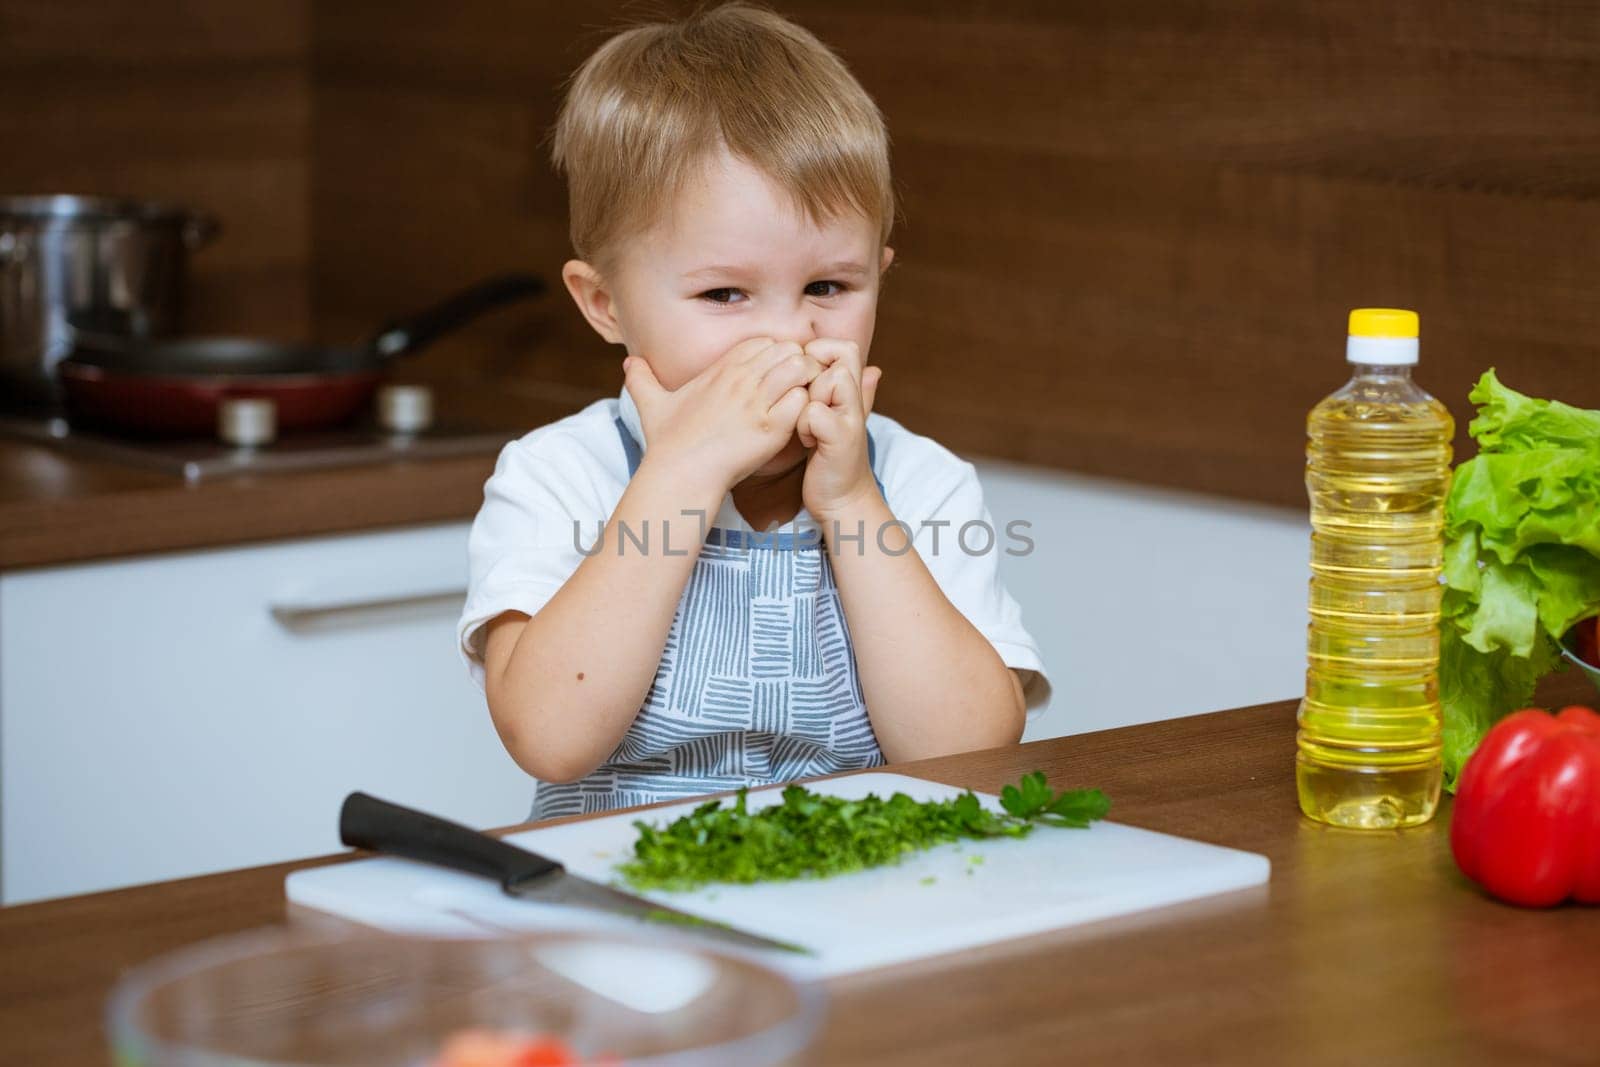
(1032, 799)
(810, 835)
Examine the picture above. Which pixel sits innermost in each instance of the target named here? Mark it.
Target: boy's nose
(798, 327)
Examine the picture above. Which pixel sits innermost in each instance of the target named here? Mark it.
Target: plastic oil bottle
(1377, 472)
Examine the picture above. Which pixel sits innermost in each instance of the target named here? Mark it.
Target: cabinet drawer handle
(298, 614)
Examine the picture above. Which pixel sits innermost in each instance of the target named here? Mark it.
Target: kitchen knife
(382, 826)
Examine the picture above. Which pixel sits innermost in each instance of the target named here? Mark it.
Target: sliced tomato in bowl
(489, 1048)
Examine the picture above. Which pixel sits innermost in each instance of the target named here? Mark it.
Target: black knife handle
(381, 826)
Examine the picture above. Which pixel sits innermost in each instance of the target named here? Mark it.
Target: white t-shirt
(522, 547)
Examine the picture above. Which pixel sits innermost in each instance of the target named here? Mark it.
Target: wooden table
(1363, 948)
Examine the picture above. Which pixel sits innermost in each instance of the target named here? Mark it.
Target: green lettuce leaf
(1510, 422)
(1522, 557)
(1569, 585)
(1477, 689)
(1505, 615)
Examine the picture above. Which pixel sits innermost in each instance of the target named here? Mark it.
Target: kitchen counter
(1364, 947)
(57, 508)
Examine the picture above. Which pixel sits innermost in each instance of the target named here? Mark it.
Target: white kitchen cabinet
(177, 714)
(1149, 603)
(185, 713)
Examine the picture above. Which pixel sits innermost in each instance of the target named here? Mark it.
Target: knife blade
(383, 826)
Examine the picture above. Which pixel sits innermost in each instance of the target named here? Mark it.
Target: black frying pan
(173, 388)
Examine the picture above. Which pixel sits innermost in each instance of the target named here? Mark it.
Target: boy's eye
(729, 295)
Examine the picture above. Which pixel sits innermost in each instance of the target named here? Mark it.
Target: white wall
(1149, 604)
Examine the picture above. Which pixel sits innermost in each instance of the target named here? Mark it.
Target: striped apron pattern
(756, 685)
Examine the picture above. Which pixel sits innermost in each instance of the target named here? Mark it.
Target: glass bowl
(280, 996)
(1591, 670)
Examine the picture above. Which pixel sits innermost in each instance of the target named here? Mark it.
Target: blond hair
(657, 101)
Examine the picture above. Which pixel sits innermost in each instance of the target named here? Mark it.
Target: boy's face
(735, 260)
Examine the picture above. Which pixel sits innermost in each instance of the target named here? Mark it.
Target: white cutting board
(980, 891)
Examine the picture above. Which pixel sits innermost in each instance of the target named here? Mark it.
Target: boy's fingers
(642, 385)
(822, 422)
(789, 408)
(772, 357)
(794, 368)
(837, 388)
(746, 349)
(749, 352)
(802, 426)
(833, 350)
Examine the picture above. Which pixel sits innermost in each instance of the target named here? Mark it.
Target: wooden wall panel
(202, 103)
(1131, 231)
(431, 171)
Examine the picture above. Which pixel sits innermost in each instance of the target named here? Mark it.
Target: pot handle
(408, 335)
(200, 230)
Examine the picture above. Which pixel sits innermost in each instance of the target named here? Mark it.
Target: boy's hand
(834, 424)
(731, 417)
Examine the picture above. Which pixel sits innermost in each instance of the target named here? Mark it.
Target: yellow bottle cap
(1383, 322)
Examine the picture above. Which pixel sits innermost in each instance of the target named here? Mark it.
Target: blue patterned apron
(757, 682)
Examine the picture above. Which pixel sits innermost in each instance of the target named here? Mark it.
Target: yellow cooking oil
(1377, 471)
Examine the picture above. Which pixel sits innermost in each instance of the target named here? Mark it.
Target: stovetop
(201, 459)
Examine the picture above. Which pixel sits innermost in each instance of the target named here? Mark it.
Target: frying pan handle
(378, 825)
(412, 334)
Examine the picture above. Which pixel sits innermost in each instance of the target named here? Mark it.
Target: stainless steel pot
(114, 266)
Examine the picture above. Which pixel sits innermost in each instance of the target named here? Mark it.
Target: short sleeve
(962, 548)
(540, 508)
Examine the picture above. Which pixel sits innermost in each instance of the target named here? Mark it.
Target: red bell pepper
(1527, 812)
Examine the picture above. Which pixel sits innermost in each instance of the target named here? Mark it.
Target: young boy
(640, 633)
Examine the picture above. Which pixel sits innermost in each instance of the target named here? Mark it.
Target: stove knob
(246, 422)
(405, 408)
